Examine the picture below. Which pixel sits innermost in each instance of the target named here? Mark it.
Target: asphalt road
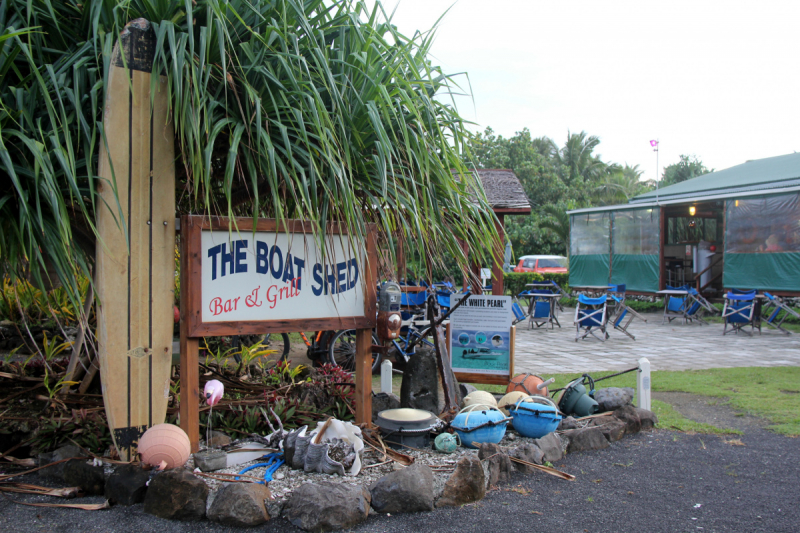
(662, 481)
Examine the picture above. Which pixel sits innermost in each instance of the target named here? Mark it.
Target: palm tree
(576, 158)
(557, 221)
(311, 109)
(620, 186)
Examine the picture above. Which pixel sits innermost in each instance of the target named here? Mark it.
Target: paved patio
(668, 347)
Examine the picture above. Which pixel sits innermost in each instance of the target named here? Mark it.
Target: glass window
(553, 262)
(757, 225)
(589, 233)
(636, 232)
(681, 230)
(529, 263)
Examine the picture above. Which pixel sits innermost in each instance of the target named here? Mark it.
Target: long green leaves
(282, 108)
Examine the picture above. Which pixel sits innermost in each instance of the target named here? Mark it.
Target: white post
(643, 384)
(386, 376)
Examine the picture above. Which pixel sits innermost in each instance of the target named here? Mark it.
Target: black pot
(401, 428)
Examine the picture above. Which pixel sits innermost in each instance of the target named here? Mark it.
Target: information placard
(480, 335)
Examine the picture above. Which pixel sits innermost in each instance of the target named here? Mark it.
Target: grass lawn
(772, 393)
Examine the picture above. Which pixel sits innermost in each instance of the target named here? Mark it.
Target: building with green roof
(734, 228)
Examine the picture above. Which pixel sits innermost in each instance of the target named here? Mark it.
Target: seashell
(329, 466)
(314, 455)
(300, 451)
(290, 443)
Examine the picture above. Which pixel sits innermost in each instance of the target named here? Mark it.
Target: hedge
(514, 282)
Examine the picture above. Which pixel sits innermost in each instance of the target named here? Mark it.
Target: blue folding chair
(775, 319)
(518, 312)
(739, 312)
(591, 315)
(621, 311)
(541, 307)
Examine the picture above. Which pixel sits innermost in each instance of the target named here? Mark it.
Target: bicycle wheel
(342, 351)
(279, 342)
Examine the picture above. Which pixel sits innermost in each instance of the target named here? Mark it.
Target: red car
(543, 264)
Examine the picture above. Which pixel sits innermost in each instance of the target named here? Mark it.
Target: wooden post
(190, 346)
(662, 240)
(363, 376)
(497, 265)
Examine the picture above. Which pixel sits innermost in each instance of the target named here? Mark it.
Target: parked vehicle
(543, 264)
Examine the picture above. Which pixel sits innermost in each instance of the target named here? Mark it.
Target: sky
(717, 80)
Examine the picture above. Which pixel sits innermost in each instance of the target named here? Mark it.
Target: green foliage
(555, 179)
(312, 110)
(88, 429)
(687, 168)
(514, 282)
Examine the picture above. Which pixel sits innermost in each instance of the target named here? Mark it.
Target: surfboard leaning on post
(135, 252)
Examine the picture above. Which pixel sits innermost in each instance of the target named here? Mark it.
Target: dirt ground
(660, 481)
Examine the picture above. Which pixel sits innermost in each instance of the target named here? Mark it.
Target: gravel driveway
(662, 481)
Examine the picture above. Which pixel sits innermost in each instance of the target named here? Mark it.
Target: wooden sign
(241, 279)
(136, 246)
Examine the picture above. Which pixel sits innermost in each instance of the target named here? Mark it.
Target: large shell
(301, 453)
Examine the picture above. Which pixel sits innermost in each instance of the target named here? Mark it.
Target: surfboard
(135, 269)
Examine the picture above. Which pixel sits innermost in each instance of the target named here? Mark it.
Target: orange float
(528, 384)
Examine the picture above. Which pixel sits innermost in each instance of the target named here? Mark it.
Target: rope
(634, 369)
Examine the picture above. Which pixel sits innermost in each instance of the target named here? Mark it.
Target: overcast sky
(719, 80)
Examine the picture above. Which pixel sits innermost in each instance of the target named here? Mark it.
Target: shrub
(514, 282)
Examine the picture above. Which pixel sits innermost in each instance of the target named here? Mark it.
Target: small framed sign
(482, 339)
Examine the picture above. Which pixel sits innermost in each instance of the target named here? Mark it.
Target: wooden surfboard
(136, 251)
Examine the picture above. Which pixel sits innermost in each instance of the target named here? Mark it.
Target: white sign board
(258, 276)
(480, 335)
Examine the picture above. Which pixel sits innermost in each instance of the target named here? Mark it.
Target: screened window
(759, 225)
(636, 232)
(589, 233)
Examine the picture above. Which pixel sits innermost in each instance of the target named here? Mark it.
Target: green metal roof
(758, 175)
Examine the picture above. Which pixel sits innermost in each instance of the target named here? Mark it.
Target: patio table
(672, 292)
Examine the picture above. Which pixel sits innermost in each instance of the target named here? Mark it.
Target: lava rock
(56, 472)
(409, 490)
(421, 387)
(177, 495)
(218, 440)
(551, 446)
(612, 398)
(589, 438)
(327, 506)
(383, 401)
(127, 485)
(466, 485)
(466, 389)
(497, 462)
(527, 452)
(630, 417)
(647, 418)
(567, 423)
(612, 428)
(211, 460)
(79, 473)
(240, 505)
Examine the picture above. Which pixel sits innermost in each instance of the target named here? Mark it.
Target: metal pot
(405, 427)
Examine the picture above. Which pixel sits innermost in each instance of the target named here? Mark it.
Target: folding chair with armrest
(622, 311)
(590, 315)
(775, 319)
(739, 311)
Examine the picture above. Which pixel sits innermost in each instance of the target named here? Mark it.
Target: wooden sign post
(241, 279)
